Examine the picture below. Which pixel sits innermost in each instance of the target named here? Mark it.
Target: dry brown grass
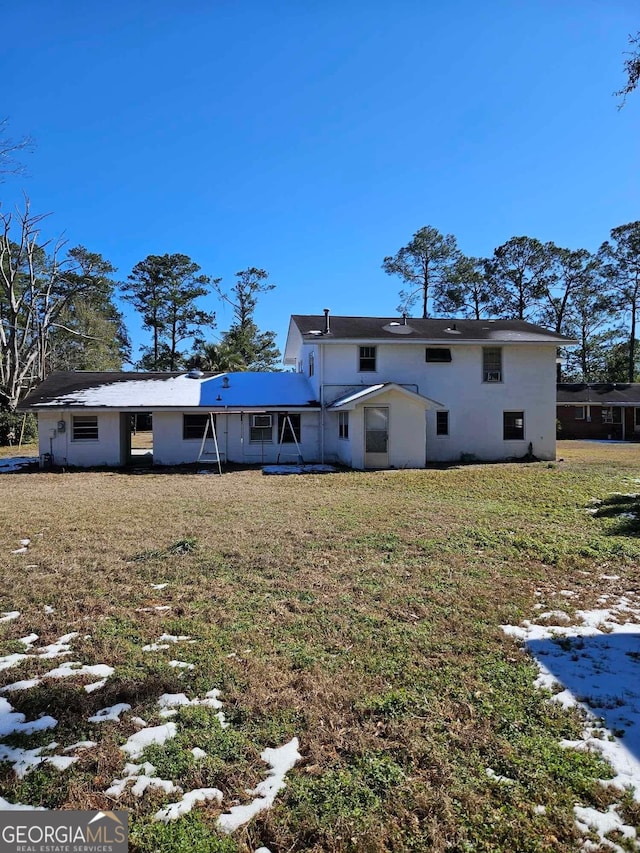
(363, 613)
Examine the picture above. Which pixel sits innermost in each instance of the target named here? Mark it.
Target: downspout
(321, 353)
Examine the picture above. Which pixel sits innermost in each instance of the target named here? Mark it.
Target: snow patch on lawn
(176, 810)
(281, 760)
(170, 702)
(164, 642)
(110, 714)
(137, 743)
(9, 615)
(594, 666)
(603, 823)
(142, 776)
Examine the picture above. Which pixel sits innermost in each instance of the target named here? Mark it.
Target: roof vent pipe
(327, 328)
(404, 318)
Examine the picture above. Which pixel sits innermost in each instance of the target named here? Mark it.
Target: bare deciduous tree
(37, 282)
(9, 147)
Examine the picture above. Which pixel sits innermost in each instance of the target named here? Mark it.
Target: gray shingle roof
(450, 330)
(604, 393)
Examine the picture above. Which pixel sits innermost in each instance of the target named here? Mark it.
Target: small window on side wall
(343, 425)
(437, 355)
(579, 413)
(442, 423)
(513, 426)
(261, 428)
(193, 427)
(85, 428)
(312, 365)
(285, 422)
(367, 360)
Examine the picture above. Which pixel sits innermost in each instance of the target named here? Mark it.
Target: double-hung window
(513, 426)
(611, 415)
(261, 429)
(442, 423)
(85, 428)
(343, 425)
(367, 360)
(492, 364)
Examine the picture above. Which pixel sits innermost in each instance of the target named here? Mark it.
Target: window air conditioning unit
(261, 421)
(493, 376)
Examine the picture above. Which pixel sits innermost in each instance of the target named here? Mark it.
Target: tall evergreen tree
(621, 266)
(164, 289)
(427, 266)
(519, 275)
(244, 343)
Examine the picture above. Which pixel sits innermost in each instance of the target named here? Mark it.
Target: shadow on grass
(603, 673)
(625, 510)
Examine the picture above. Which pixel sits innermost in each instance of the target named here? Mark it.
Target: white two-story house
(399, 392)
(366, 392)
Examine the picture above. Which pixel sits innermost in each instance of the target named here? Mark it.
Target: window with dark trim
(367, 360)
(442, 423)
(513, 426)
(437, 355)
(261, 429)
(311, 364)
(611, 415)
(193, 427)
(492, 364)
(343, 425)
(85, 428)
(288, 436)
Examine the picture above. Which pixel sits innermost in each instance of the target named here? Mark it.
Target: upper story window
(312, 364)
(437, 355)
(492, 364)
(367, 359)
(85, 428)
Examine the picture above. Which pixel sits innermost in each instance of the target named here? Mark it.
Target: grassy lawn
(358, 612)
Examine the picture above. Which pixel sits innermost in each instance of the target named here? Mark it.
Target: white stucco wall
(475, 407)
(80, 453)
(406, 431)
(233, 433)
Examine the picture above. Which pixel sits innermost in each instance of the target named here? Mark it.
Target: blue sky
(314, 138)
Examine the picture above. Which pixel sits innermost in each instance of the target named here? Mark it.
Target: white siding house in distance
(366, 392)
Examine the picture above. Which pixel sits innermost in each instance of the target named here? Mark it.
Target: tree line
(593, 297)
(58, 311)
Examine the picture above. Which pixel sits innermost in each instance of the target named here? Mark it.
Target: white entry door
(376, 437)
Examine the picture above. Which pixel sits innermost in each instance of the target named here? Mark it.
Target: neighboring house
(367, 392)
(599, 410)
